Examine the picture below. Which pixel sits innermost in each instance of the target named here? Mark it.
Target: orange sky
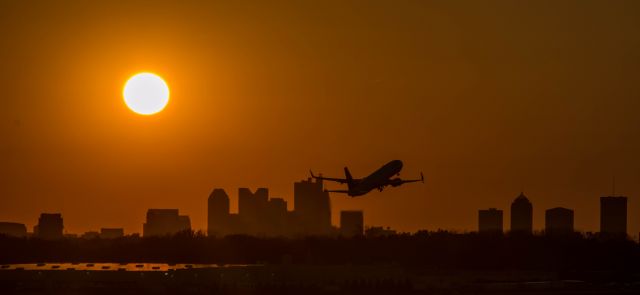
(485, 98)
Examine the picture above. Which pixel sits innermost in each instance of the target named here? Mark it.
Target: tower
(613, 215)
(218, 219)
(253, 210)
(521, 215)
(277, 217)
(312, 207)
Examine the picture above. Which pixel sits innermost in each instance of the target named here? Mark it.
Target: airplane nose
(398, 163)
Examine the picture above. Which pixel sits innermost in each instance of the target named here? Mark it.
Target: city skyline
(259, 217)
(486, 100)
(320, 147)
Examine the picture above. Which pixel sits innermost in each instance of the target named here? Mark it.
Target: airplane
(378, 179)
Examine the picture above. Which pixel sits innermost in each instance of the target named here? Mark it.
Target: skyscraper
(218, 217)
(252, 210)
(49, 226)
(613, 215)
(490, 221)
(312, 207)
(521, 215)
(161, 222)
(558, 221)
(351, 223)
(277, 217)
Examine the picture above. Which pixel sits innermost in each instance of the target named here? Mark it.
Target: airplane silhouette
(378, 179)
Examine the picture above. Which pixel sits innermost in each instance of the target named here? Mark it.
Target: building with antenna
(312, 207)
(613, 215)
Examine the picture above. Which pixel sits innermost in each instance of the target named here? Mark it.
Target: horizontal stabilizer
(337, 191)
(320, 177)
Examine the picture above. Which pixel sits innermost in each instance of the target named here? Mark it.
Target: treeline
(436, 250)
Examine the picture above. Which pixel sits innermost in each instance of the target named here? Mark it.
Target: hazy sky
(487, 98)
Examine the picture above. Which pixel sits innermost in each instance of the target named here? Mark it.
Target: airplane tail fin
(348, 176)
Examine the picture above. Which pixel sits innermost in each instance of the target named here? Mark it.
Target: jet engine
(395, 182)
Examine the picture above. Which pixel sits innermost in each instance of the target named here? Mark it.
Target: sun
(146, 94)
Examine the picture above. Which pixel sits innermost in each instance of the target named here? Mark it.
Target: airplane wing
(397, 181)
(339, 180)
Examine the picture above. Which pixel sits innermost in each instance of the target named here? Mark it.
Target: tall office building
(252, 210)
(490, 221)
(161, 222)
(558, 221)
(252, 205)
(49, 226)
(13, 229)
(277, 217)
(312, 207)
(351, 223)
(613, 215)
(218, 217)
(521, 215)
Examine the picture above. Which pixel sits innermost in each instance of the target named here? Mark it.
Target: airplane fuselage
(376, 179)
(379, 179)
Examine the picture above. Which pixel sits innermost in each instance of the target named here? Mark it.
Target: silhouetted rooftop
(559, 209)
(521, 198)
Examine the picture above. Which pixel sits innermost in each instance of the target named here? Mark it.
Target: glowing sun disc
(146, 93)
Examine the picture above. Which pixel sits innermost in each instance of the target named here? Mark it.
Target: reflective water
(110, 266)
